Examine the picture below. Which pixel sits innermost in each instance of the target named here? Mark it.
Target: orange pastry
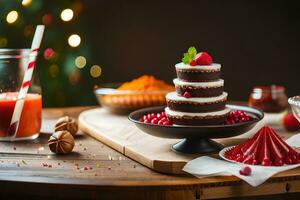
(144, 91)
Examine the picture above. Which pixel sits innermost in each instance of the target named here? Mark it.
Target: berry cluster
(237, 116)
(156, 118)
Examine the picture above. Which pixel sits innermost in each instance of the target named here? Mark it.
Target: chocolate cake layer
(197, 121)
(194, 107)
(185, 118)
(196, 104)
(191, 75)
(199, 91)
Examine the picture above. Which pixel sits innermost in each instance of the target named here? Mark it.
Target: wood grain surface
(95, 170)
(122, 135)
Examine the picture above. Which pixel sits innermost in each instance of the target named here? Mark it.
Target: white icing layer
(175, 97)
(182, 114)
(213, 66)
(218, 83)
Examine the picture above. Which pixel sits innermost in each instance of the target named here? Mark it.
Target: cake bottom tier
(197, 119)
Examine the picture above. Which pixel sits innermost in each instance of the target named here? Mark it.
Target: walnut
(61, 142)
(66, 123)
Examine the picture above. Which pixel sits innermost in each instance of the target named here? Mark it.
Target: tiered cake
(199, 98)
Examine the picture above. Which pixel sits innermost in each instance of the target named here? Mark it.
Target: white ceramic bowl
(295, 104)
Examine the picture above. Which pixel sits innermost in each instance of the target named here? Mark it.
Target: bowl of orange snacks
(145, 91)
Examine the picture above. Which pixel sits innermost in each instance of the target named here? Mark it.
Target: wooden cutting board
(122, 135)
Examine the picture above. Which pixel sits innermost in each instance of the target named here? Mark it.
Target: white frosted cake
(199, 98)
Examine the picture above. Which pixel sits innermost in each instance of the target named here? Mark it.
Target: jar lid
(269, 89)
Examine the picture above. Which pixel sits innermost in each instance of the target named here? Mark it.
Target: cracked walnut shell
(66, 123)
(61, 142)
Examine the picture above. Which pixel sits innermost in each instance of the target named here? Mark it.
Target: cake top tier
(211, 67)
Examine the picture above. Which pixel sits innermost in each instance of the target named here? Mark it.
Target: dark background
(257, 42)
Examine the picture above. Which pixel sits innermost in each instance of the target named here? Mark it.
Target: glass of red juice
(13, 63)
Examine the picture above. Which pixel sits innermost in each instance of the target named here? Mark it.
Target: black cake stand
(196, 139)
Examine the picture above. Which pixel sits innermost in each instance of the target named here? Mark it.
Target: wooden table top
(30, 166)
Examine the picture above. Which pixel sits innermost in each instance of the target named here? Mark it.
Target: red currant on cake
(193, 63)
(186, 95)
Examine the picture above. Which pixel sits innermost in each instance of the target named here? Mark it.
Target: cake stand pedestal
(196, 139)
(197, 146)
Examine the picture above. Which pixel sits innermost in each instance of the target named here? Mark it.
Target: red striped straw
(37, 39)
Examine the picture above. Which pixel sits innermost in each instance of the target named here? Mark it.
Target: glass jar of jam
(271, 99)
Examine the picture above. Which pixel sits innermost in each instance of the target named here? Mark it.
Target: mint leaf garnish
(192, 51)
(189, 56)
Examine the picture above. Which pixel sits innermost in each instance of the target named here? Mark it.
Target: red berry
(294, 159)
(164, 119)
(290, 122)
(254, 162)
(186, 95)
(239, 158)
(237, 116)
(288, 160)
(158, 116)
(154, 121)
(278, 162)
(155, 118)
(160, 122)
(266, 162)
(166, 123)
(203, 58)
(193, 63)
(245, 171)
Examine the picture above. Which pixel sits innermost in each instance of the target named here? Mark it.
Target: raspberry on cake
(199, 98)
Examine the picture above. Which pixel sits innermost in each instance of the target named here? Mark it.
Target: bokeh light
(80, 62)
(74, 77)
(12, 17)
(26, 2)
(95, 71)
(67, 14)
(3, 42)
(48, 53)
(53, 70)
(74, 40)
(47, 19)
(28, 30)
